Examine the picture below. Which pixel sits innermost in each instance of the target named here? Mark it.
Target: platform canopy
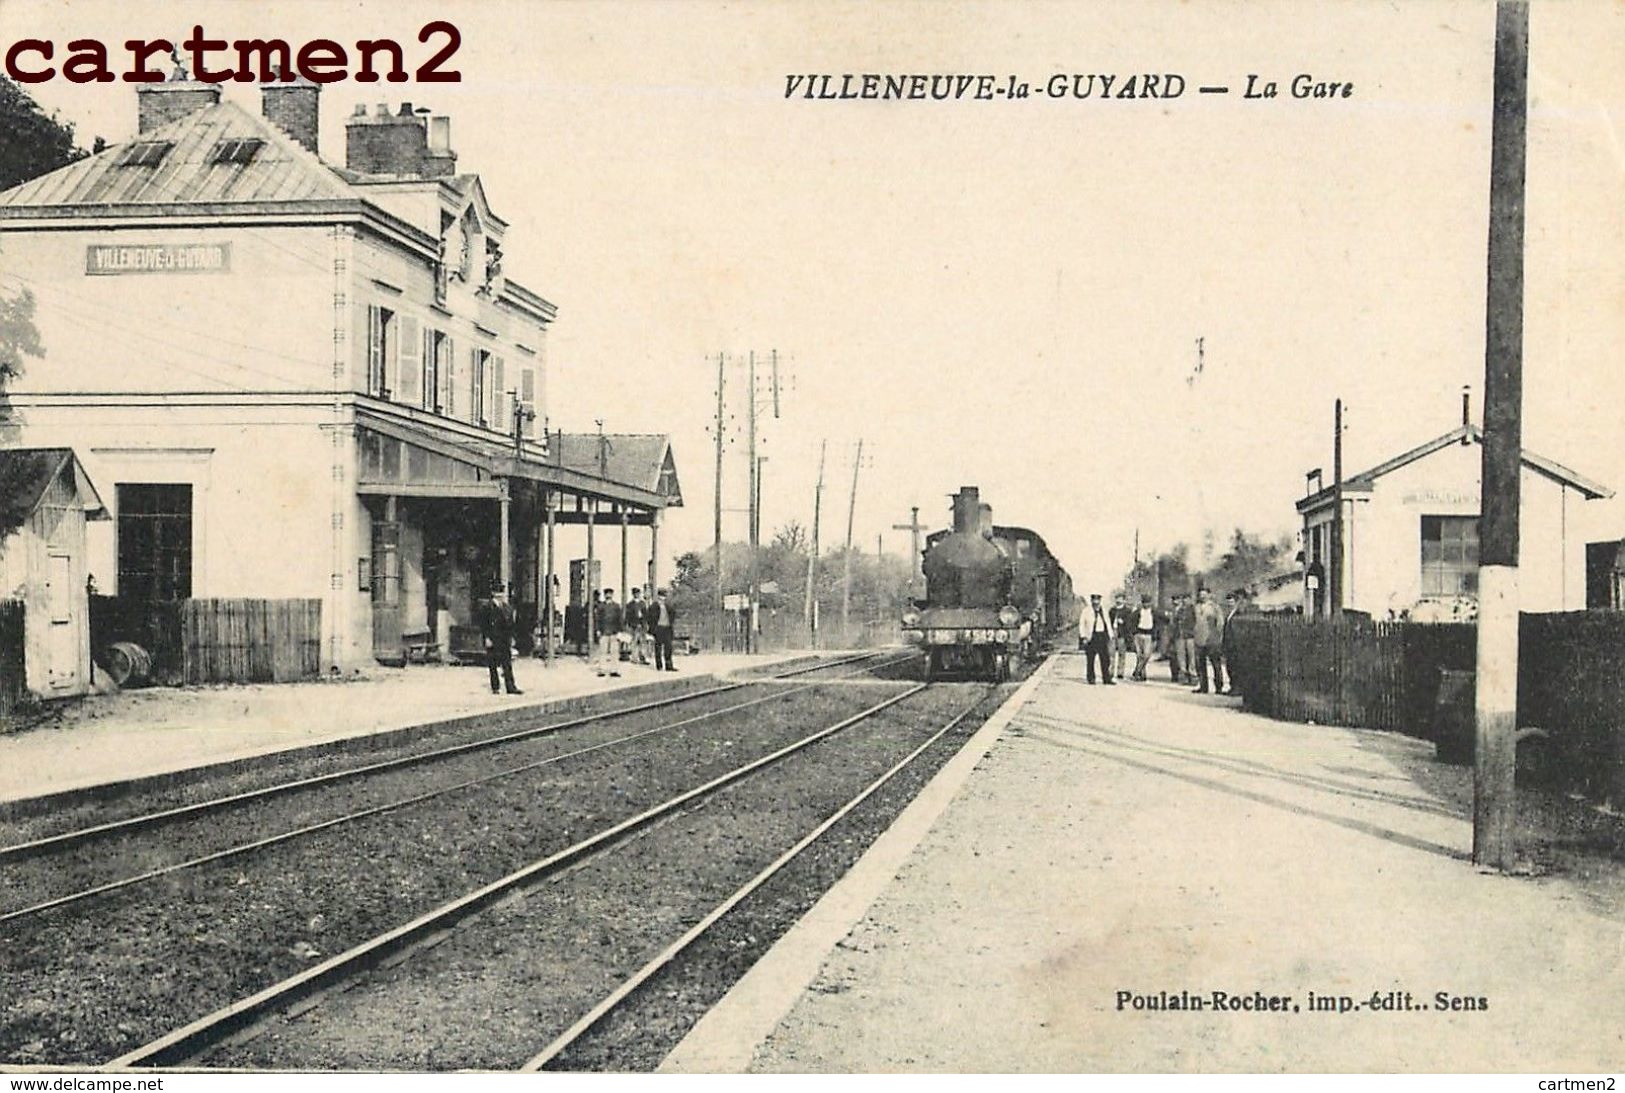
(404, 454)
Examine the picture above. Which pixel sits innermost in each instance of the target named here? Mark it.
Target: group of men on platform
(629, 630)
(638, 625)
(1191, 634)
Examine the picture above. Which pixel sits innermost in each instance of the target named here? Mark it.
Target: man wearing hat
(1145, 628)
(496, 631)
(662, 622)
(1096, 630)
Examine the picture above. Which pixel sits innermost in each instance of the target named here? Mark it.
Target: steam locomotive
(993, 595)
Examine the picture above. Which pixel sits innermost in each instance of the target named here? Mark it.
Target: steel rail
(48, 843)
(592, 1017)
(199, 1035)
(389, 806)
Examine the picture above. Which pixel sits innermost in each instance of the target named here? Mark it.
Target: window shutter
(448, 380)
(500, 421)
(431, 389)
(409, 367)
(488, 410)
(387, 330)
(361, 351)
(369, 348)
(475, 410)
(527, 395)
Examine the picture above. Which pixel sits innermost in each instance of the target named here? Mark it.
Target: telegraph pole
(913, 527)
(1334, 572)
(851, 510)
(1495, 704)
(722, 617)
(880, 558)
(812, 556)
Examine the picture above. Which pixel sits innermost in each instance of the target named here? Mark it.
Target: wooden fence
(1353, 672)
(13, 655)
(215, 640)
(1571, 682)
(251, 641)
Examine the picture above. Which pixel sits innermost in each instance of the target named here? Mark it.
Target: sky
(1010, 294)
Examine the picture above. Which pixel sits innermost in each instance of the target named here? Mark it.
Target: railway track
(25, 849)
(149, 821)
(619, 998)
(317, 989)
(211, 901)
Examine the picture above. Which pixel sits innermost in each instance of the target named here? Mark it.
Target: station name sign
(104, 258)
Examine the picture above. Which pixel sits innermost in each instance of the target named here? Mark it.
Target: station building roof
(1365, 481)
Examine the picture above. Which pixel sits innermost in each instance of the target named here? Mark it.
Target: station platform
(1139, 879)
(160, 730)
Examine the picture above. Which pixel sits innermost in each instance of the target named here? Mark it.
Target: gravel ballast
(89, 981)
(508, 981)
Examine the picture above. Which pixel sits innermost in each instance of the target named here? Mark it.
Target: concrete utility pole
(1334, 570)
(913, 527)
(722, 616)
(809, 609)
(550, 503)
(1495, 705)
(755, 470)
(851, 510)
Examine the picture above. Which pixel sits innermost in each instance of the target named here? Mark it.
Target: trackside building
(293, 379)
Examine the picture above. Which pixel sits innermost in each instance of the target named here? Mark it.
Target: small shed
(45, 499)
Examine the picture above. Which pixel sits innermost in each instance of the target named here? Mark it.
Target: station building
(291, 379)
(1410, 533)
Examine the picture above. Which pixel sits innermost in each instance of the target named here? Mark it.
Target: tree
(792, 538)
(691, 570)
(35, 143)
(19, 338)
(1249, 559)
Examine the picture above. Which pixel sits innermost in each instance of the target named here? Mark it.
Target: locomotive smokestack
(984, 519)
(967, 506)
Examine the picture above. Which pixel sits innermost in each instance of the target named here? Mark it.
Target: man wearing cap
(1145, 627)
(496, 631)
(609, 634)
(1208, 638)
(1182, 653)
(636, 615)
(662, 622)
(1122, 619)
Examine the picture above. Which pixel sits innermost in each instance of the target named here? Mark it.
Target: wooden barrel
(128, 664)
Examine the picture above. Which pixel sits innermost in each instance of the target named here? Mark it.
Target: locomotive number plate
(953, 637)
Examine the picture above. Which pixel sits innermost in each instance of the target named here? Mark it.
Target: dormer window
(236, 150)
(145, 153)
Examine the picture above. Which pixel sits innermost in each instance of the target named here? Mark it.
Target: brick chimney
(400, 143)
(293, 108)
(158, 104)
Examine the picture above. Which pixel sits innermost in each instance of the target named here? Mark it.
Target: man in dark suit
(637, 624)
(662, 622)
(496, 630)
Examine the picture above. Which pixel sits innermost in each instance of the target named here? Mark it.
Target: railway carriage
(993, 595)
